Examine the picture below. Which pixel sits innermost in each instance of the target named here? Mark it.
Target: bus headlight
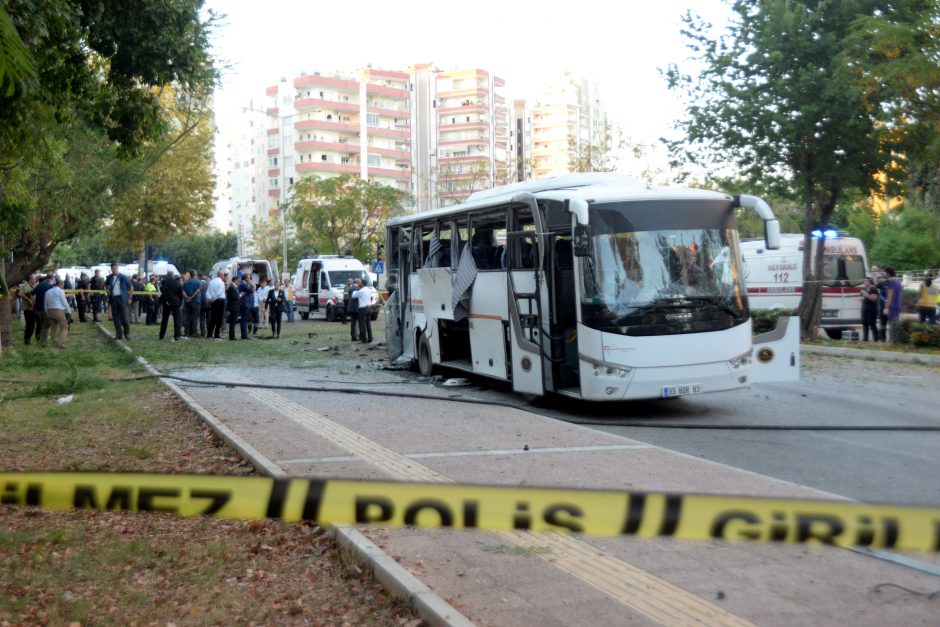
(612, 371)
(743, 359)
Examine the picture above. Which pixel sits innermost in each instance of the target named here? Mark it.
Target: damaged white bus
(594, 286)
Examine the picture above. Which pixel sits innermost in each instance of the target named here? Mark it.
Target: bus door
(399, 325)
(525, 287)
(394, 306)
(313, 288)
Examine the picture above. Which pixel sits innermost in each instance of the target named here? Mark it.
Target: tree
(780, 98)
(898, 62)
(908, 241)
(343, 213)
(170, 185)
(267, 241)
(455, 182)
(599, 153)
(197, 252)
(66, 137)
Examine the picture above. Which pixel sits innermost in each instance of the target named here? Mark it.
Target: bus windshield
(679, 278)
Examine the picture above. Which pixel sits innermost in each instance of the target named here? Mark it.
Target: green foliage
(908, 241)
(64, 142)
(917, 334)
(170, 187)
(895, 58)
(343, 213)
(198, 252)
(765, 320)
(267, 241)
(17, 68)
(93, 249)
(783, 96)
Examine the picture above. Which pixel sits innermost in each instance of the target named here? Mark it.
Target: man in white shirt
(263, 301)
(363, 294)
(58, 312)
(216, 295)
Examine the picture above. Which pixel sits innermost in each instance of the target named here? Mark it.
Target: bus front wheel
(425, 365)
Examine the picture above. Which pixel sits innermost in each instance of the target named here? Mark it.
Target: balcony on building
(326, 104)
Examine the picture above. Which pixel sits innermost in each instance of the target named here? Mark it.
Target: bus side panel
(488, 346)
(488, 310)
(489, 295)
(437, 289)
(776, 355)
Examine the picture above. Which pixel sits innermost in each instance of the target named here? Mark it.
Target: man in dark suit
(171, 298)
(119, 291)
(232, 305)
(276, 299)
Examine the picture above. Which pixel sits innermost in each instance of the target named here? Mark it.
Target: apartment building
(437, 135)
(465, 122)
(245, 187)
(568, 123)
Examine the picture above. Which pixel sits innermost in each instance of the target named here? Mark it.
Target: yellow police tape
(595, 512)
(138, 293)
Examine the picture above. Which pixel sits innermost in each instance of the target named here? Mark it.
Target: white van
(319, 283)
(257, 268)
(161, 268)
(775, 278)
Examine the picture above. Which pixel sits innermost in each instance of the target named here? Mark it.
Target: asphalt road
(900, 466)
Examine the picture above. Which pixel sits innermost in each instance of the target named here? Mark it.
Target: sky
(623, 45)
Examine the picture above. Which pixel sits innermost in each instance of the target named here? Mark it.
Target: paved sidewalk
(520, 578)
(871, 355)
(546, 579)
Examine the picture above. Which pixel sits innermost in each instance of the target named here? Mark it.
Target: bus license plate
(681, 390)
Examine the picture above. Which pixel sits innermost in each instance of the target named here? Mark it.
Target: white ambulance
(319, 283)
(775, 278)
(240, 266)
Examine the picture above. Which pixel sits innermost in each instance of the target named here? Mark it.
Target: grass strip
(124, 569)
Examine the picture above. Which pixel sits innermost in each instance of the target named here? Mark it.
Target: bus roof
(596, 186)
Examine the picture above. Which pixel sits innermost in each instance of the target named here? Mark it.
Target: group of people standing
(882, 296)
(188, 299)
(248, 307)
(47, 309)
(197, 305)
(358, 300)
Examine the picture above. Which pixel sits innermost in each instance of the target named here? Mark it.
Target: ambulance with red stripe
(774, 278)
(319, 283)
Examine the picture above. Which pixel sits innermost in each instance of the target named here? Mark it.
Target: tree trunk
(6, 309)
(15, 272)
(810, 308)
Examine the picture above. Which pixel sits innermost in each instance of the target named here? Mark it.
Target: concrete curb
(393, 576)
(872, 355)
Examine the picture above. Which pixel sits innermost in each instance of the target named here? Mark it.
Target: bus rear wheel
(425, 365)
(305, 314)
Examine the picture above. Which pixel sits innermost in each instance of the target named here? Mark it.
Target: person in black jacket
(352, 309)
(171, 297)
(276, 299)
(233, 305)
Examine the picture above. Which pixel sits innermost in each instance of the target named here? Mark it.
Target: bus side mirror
(772, 234)
(581, 242)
